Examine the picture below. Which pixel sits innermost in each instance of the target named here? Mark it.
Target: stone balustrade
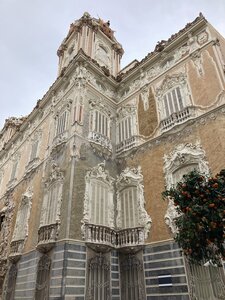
(47, 236)
(177, 118)
(111, 238)
(100, 139)
(127, 144)
(130, 237)
(16, 248)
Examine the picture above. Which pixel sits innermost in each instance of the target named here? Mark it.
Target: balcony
(47, 236)
(130, 238)
(100, 143)
(102, 238)
(128, 144)
(177, 118)
(59, 140)
(16, 248)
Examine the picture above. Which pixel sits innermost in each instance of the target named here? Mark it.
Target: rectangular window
(124, 129)
(99, 203)
(34, 149)
(101, 124)
(173, 102)
(14, 168)
(129, 207)
(61, 124)
(78, 114)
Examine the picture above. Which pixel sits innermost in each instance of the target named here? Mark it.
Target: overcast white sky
(32, 30)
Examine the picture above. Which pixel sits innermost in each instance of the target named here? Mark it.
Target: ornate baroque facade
(81, 177)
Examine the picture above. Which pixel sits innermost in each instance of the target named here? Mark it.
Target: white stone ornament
(187, 156)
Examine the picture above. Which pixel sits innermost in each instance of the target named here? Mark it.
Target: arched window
(43, 278)
(11, 282)
(98, 278)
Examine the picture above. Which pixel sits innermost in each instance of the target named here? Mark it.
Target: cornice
(175, 40)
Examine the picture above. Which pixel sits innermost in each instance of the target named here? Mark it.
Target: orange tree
(200, 203)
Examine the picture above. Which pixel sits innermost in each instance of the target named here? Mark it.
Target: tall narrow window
(61, 123)
(14, 169)
(173, 101)
(21, 226)
(11, 282)
(101, 123)
(132, 287)
(98, 278)
(52, 197)
(98, 204)
(130, 201)
(128, 198)
(34, 149)
(125, 129)
(43, 278)
(78, 114)
(100, 198)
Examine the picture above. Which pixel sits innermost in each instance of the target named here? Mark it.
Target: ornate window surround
(182, 156)
(100, 141)
(62, 135)
(23, 215)
(55, 179)
(170, 83)
(98, 173)
(132, 177)
(35, 142)
(14, 170)
(127, 128)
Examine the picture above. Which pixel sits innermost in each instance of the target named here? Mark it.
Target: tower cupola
(96, 39)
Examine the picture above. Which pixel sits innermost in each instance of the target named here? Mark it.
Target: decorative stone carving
(102, 54)
(203, 37)
(7, 211)
(197, 60)
(170, 82)
(23, 214)
(133, 177)
(184, 156)
(50, 213)
(192, 43)
(101, 174)
(100, 143)
(145, 97)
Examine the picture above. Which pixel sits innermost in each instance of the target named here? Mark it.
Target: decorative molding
(145, 97)
(54, 181)
(197, 61)
(183, 155)
(133, 177)
(5, 232)
(101, 174)
(23, 215)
